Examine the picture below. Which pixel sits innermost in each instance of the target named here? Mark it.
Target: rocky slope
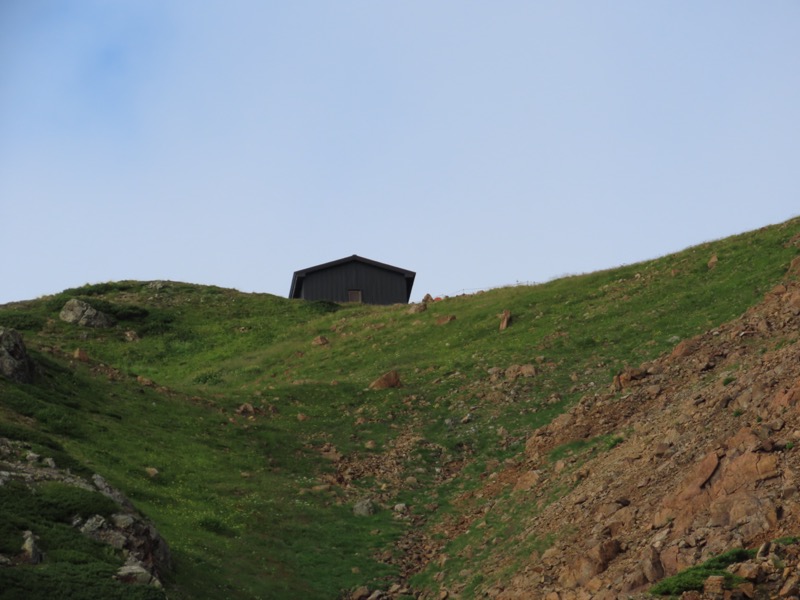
(128, 533)
(700, 456)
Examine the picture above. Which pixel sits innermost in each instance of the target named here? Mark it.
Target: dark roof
(297, 279)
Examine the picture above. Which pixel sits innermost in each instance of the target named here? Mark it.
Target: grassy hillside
(258, 503)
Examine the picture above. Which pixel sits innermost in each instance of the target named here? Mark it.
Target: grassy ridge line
(227, 493)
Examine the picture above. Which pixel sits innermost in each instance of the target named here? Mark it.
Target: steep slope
(683, 458)
(244, 425)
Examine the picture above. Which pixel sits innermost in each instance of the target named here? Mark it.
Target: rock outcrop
(144, 548)
(146, 553)
(15, 363)
(82, 313)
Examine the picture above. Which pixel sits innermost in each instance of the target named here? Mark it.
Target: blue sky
(479, 144)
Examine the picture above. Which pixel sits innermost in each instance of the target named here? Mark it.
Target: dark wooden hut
(353, 279)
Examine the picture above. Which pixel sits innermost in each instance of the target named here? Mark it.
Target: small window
(354, 296)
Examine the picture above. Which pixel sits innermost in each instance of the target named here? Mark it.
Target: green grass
(581, 446)
(74, 567)
(694, 577)
(233, 495)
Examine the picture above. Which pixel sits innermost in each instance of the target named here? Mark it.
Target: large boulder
(82, 313)
(14, 360)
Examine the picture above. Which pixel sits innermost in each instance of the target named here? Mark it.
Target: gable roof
(297, 280)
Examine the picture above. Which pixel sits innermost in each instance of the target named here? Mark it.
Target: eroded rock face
(14, 360)
(81, 313)
(705, 460)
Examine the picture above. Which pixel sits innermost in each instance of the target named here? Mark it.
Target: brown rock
(320, 340)
(674, 560)
(604, 552)
(515, 371)
(778, 290)
(578, 573)
(606, 510)
(663, 449)
(787, 397)
(747, 589)
(329, 452)
(633, 580)
(792, 303)
(624, 379)
(387, 380)
(714, 584)
(651, 565)
(684, 348)
(360, 593)
(594, 562)
(246, 410)
(702, 473)
(526, 481)
(791, 587)
(594, 585)
(622, 521)
(749, 570)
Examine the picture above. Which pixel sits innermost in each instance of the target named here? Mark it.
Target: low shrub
(22, 321)
(694, 577)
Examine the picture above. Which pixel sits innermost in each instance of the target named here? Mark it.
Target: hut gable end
(353, 279)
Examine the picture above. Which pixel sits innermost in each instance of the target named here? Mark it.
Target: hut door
(354, 296)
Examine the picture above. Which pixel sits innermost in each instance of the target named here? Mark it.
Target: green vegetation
(693, 577)
(75, 567)
(579, 446)
(248, 500)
